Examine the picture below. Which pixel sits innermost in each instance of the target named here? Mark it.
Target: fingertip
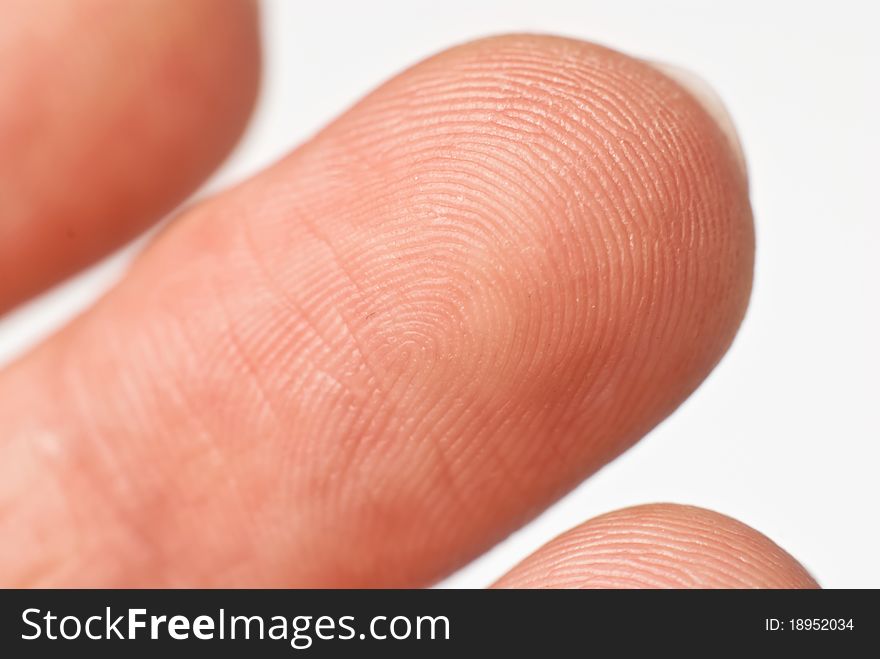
(711, 101)
(484, 281)
(660, 546)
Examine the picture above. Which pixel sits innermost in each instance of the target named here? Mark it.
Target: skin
(88, 161)
(659, 546)
(378, 357)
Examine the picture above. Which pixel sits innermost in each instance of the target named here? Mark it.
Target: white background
(785, 434)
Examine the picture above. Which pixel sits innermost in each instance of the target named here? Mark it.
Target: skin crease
(372, 361)
(87, 163)
(659, 546)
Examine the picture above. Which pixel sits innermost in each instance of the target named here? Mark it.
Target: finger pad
(469, 292)
(660, 546)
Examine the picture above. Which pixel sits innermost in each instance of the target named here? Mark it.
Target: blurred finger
(110, 114)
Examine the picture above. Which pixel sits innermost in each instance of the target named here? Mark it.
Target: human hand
(372, 361)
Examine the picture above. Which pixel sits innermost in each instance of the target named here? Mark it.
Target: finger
(110, 113)
(660, 546)
(376, 359)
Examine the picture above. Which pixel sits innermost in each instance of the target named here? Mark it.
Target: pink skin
(112, 114)
(659, 546)
(375, 359)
